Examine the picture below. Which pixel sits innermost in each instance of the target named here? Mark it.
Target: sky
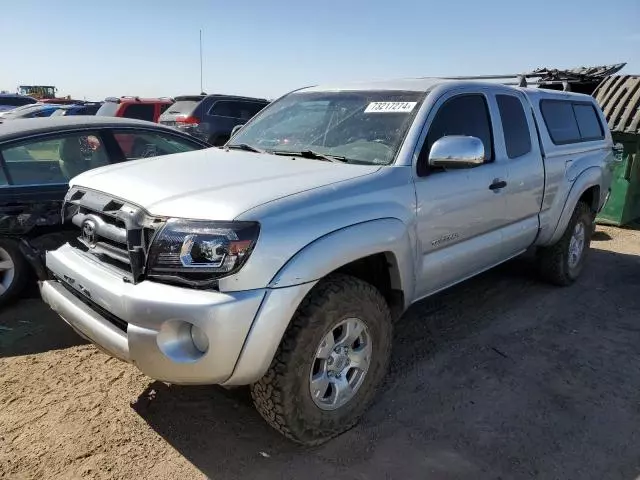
(94, 49)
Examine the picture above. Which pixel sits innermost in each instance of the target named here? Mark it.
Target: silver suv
(282, 260)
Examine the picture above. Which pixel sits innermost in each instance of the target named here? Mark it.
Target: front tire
(14, 271)
(562, 262)
(330, 362)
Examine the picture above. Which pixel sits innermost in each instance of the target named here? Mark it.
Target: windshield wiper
(312, 154)
(244, 146)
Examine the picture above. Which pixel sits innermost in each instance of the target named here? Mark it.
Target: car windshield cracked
(364, 127)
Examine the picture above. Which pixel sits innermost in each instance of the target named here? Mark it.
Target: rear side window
(560, 121)
(588, 123)
(517, 136)
(570, 122)
(140, 111)
(236, 109)
(136, 145)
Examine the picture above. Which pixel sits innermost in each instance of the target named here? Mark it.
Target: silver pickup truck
(282, 260)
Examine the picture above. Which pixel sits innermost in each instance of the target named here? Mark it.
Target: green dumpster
(623, 206)
(619, 97)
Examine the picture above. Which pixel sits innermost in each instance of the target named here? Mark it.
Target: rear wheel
(562, 263)
(330, 362)
(14, 270)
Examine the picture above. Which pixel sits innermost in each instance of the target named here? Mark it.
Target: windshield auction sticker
(390, 107)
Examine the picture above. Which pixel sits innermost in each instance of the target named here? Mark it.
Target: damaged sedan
(38, 157)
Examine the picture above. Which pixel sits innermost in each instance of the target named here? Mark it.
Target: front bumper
(84, 320)
(147, 324)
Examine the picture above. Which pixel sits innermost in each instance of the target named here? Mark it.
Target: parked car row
(9, 101)
(41, 110)
(207, 117)
(211, 117)
(34, 110)
(36, 165)
(85, 108)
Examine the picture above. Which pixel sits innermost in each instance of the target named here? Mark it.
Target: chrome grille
(112, 231)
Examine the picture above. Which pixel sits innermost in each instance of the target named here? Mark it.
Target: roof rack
(549, 77)
(521, 79)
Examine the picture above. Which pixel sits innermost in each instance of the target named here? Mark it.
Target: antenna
(201, 88)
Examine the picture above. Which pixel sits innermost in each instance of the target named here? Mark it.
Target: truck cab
(282, 260)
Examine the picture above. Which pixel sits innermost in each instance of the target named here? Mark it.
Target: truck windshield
(360, 126)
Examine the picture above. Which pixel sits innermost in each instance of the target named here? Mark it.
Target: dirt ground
(501, 377)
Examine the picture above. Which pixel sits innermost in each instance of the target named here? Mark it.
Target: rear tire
(562, 262)
(14, 271)
(317, 355)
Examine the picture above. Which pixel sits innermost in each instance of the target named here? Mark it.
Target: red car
(135, 107)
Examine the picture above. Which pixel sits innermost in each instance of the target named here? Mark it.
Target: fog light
(182, 341)
(199, 338)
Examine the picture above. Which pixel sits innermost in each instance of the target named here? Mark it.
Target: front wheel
(330, 362)
(562, 262)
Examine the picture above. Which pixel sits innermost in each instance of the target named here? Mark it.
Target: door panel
(520, 151)
(459, 218)
(519, 236)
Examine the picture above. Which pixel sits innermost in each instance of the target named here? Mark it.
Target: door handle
(497, 184)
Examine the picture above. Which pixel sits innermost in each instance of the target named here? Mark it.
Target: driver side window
(53, 160)
(461, 115)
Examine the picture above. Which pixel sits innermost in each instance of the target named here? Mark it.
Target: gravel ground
(501, 377)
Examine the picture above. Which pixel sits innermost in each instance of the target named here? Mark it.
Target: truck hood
(214, 184)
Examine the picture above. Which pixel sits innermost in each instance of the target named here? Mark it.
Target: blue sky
(150, 48)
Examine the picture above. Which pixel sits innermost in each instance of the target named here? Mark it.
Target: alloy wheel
(576, 245)
(340, 365)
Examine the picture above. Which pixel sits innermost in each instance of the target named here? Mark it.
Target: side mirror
(457, 151)
(235, 129)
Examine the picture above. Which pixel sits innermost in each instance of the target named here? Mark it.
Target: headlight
(198, 252)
